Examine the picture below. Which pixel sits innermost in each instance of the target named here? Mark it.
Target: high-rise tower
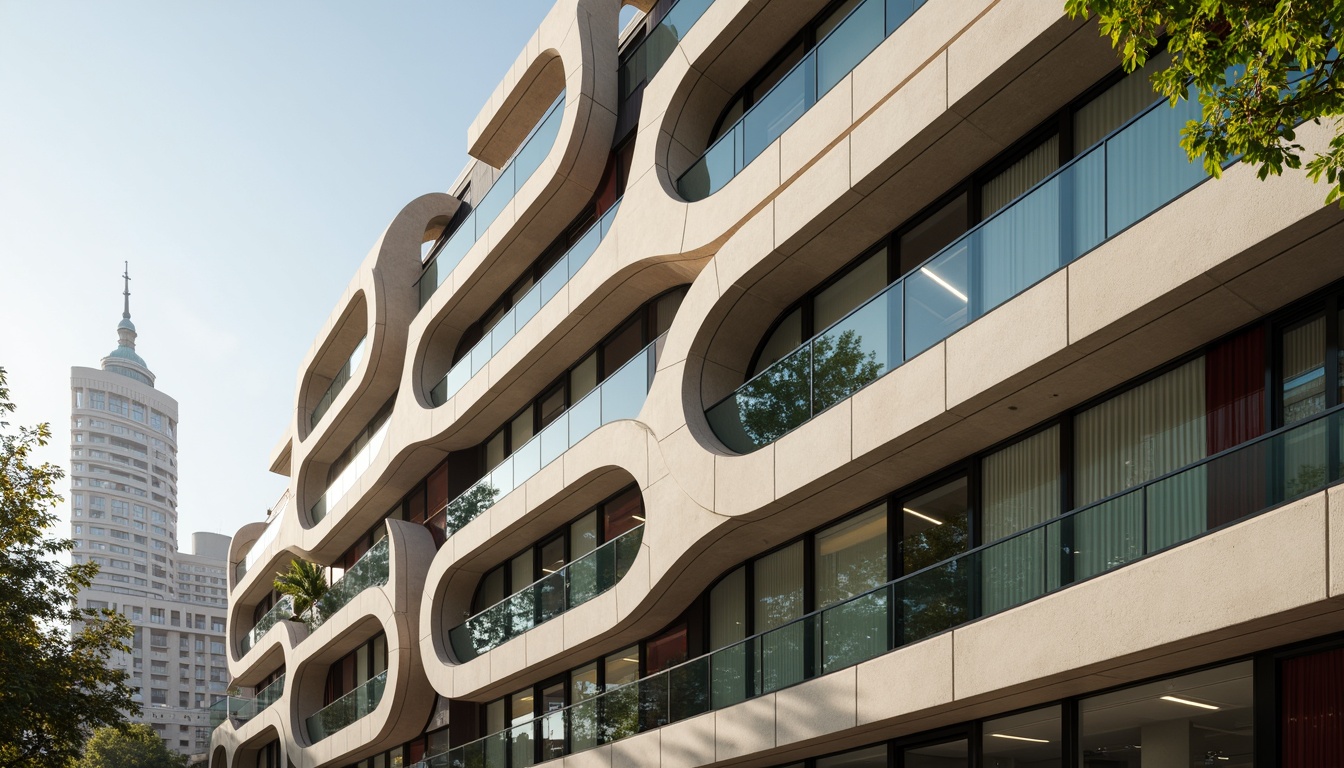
(123, 498)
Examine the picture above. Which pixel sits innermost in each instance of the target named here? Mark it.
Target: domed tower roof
(124, 360)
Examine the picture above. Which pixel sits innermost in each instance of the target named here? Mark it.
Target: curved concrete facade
(947, 94)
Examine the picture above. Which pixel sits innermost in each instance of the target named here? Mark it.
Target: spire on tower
(124, 359)
(126, 292)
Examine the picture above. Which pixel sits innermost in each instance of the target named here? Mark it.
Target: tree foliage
(1260, 69)
(305, 582)
(57, 685)
(133, 746)
(790, 391)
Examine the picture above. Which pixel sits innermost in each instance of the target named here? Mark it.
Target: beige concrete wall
(951, 89)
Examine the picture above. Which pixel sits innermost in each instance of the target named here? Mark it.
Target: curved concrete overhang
(238, 747)
(384, 285)
(574, 50)
(922, 416)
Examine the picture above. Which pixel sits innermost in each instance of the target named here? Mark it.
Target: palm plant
(305, 582)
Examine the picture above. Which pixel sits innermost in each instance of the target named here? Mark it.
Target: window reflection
(1203, 718)
(1025, 740)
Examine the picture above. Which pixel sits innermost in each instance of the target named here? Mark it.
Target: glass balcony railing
(371, 570)
(258, 547)
(575, 584)
(652, 52)
(527, 307)
(338, 383)
(524, 163)
(833, 58)
(348, 476)
(1135, 171)
(347, 709)
(620, 396)
(283, 609)
(1108, 534)
(240, 709)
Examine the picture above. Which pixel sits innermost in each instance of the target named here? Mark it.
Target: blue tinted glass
(842, 50)
(1146, 167)
(1018, 246)
(936, 299)
(780, 108)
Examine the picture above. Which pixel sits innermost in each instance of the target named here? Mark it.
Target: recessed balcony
(524, 163)
(240, 709)
(620, 396)
(524, 310)
(833, 58)
(1158, 515)
(1126, 177)
(371, 570)
(347, 709)
(555, 593)
(282, 610)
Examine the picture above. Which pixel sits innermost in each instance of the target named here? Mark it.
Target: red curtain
(1312, 711)
(1234, 395)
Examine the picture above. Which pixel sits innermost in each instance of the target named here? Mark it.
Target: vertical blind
(1020, 488)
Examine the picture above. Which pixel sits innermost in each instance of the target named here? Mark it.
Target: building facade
(855, 383)
(123, 516)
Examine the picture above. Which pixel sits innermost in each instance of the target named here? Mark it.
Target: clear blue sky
(243, 156)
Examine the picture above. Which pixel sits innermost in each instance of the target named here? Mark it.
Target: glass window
(934, 525)
(1117, 104)
(664, 310)
(1302, 362)
(1204, 718)
(551, 405)
(622, 667)
(1020, 485)
(836, 16)
(851, 557)
(583, 536)
(583, 378)
(855, 287)
(778, 600)
(623, 513)
(727, 610)
(1019, 177)
(583, 682)
(952, 754)
(520, 429)
(494, 451)
(667, 650)
(553, 555)
(787, 336)
(868, 757)
(520, 571)
(1025, 739)
(621, 347)
(930, 235)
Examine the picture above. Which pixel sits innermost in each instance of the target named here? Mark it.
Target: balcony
(548, 597)
(338, 383)
(263, 541)
(527, 307)
(371, 570)
(833, 58)
(283, 609)
(240, 709)
(1127, 176)
(347, 709)
(525, 162)
(620, 396)
(1165, 512)
(644, 61)
(350, 474)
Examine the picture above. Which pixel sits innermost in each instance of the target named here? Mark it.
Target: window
(1204, 716)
